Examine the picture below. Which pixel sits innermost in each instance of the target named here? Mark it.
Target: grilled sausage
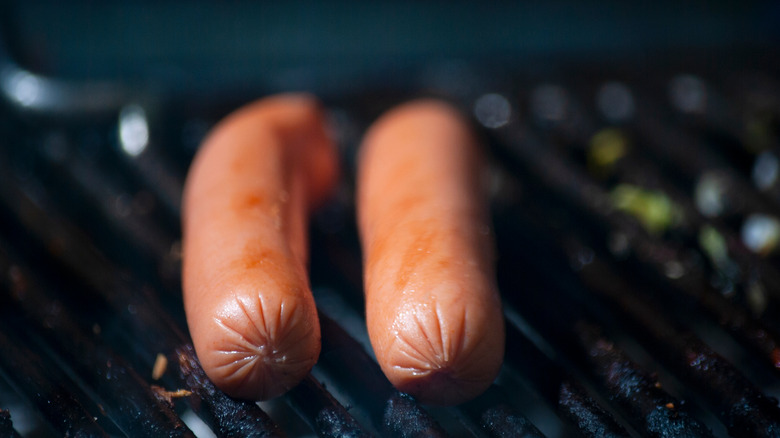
(432, 307)
(246, 204)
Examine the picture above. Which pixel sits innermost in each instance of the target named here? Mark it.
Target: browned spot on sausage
(252, 262)
(407, 203)
(248, 202)
(418, 253)
(398, 208)
(256, 255)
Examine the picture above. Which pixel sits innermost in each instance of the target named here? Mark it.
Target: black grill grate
(622, 321)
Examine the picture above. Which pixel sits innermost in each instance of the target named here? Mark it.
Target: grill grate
(635, 304)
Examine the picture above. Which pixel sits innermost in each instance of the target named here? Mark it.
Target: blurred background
(342, 46)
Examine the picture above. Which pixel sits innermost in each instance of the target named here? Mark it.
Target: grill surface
(635, 209)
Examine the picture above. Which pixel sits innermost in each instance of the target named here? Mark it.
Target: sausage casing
(432, 307)
(246, 204)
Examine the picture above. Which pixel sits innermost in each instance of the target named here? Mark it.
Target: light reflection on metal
(615, 101)
(21, 86)
(765, 170)
(492, 110)
(761, 233)
(549, 103)
(133, 130)
(674, 270)
(710, 194)
(688, 94)
(38, 93)
(196, 425)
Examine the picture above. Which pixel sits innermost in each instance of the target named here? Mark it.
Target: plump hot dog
(432, 308)
(246, 205)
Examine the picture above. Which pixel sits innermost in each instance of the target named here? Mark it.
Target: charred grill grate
(636, 305)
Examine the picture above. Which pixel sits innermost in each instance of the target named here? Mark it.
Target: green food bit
(756, 298)
(607, 146)
(714, 245)
(654, 210)
(760, 132)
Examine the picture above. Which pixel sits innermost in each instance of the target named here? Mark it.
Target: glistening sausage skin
(432, 308)
(246, 206)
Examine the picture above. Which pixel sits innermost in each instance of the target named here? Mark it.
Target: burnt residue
(591, 419)
(494, 413)
(330, 423)
(227, 416)
(389, 411)
(323, 412)
(502, 421)
(403, 419)
(557, 387)
(742, 407)
(665, 422)
(639, 396)
(7, 425)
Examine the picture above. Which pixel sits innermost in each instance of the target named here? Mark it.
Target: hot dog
(432, 307)
(246, 202)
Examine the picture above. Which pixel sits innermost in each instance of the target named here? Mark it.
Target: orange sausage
(432, 307)
(246, 204)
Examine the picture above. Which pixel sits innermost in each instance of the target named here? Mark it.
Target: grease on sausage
(432, 307)
(247, 199)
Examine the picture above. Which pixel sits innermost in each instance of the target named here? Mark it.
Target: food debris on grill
(634, 391)
(160, 365)
(168, 396)
(591, 419)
